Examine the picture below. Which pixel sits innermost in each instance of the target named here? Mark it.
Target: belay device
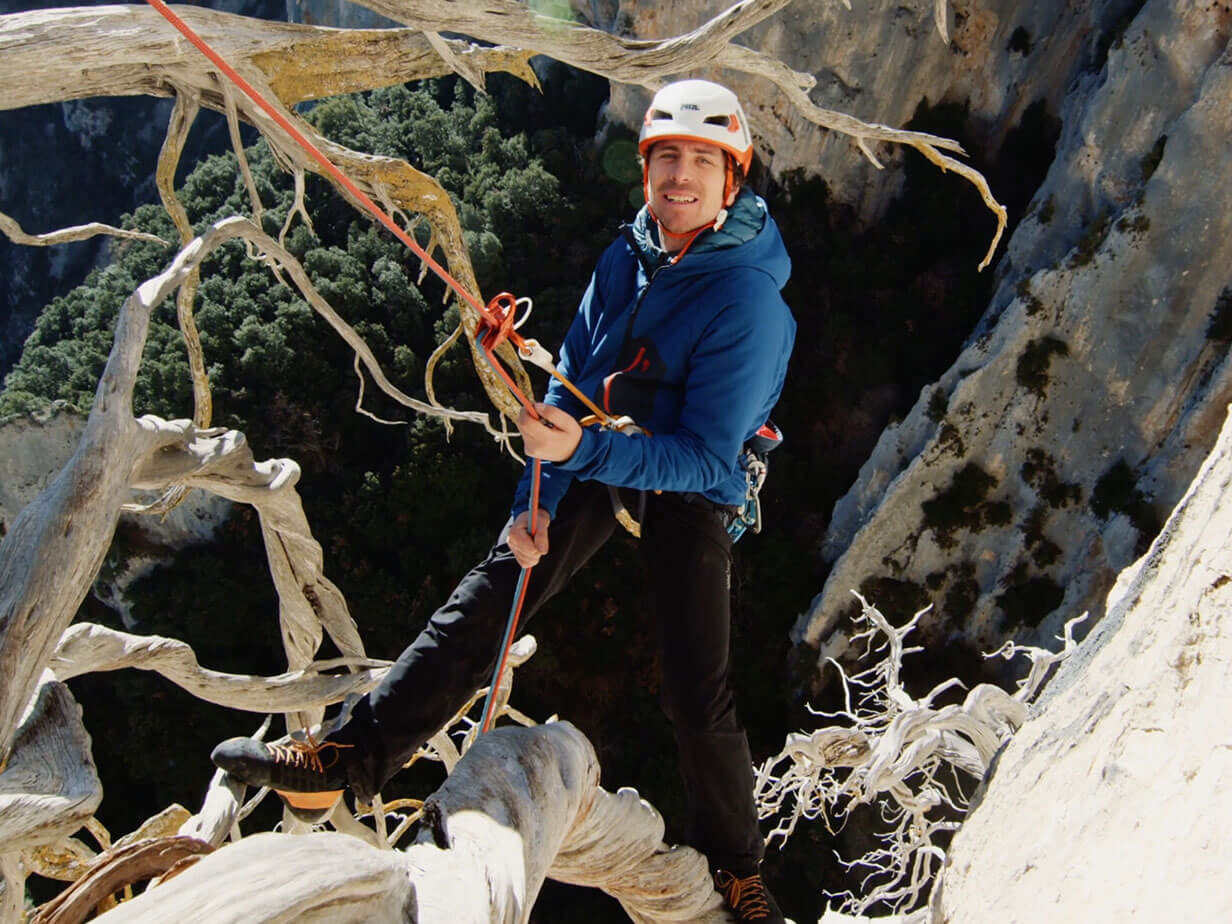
(753, 461)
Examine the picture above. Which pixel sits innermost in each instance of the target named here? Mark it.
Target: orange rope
(515, 613)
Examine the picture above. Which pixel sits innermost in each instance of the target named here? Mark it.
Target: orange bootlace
(747, 896)
(305, 753)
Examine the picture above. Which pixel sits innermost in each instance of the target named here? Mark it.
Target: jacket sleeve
(555, 481)
(736, 373)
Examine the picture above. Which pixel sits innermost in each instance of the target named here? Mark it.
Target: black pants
(688, 554)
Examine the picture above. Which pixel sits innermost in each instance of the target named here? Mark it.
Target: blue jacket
(695, 352)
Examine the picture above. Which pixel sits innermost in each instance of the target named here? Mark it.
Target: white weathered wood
(12, 887)
(522, 804)
(183, 114)
(220, 811)
(56, 544)
(48, 790)
(319, 877)
(87, 648)
(651, 63)
(52, 55)
(617, 846)
(15, 233)
(119, 867)
(50, 786)
(53, 551)
(893, 749)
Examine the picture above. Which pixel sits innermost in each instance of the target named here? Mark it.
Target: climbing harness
(753, 461)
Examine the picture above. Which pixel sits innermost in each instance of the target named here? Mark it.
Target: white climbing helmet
(698, 110)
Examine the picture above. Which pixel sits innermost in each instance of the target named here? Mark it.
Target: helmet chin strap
(715, 223)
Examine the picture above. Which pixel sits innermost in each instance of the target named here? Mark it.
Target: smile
(682, 199)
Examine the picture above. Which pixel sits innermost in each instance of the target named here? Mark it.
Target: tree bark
(121, 867)
(82, 52)
(48, 790)
(87, 648)
(523, 804)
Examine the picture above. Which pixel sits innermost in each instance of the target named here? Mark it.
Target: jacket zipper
(652, 273)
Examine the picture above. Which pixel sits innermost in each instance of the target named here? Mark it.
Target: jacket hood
(749, 237)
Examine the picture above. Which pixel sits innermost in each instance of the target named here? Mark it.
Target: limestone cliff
(1111, 802)
(1048, 454)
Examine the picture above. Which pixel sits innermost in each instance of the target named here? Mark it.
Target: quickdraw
(753, 461)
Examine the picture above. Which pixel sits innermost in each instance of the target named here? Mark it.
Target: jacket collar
(745, 220)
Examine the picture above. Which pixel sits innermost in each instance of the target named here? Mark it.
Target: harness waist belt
(726, 511)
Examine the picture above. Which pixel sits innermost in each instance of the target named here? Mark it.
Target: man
(682, 328)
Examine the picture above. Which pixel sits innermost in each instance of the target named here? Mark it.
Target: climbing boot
(308, 776)
(747, 897)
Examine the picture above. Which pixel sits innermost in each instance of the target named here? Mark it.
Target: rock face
(1111, 803)
(1048, 454)
(34, 451)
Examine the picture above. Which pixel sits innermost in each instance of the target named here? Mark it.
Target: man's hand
(553, 437)
(528, 549)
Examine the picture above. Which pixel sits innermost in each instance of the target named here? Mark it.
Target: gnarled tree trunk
(523, 804)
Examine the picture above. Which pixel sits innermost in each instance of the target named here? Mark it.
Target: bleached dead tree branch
(15, 233)
(48, 790)
(522, 804)
(650, 63)
(57, 543)
(89, 648)
(892, 750)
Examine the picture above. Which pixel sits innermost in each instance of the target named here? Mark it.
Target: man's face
(686, 184)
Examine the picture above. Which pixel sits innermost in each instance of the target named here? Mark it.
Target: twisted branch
(14, 232)
(649, 63)
(88, 648)
(892, 751)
